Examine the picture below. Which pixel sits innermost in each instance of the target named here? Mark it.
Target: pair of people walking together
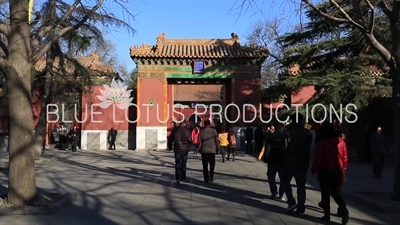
(227, 143)
(289, 156)
(182, 142)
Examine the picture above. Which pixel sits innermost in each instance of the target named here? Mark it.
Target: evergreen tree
(336, 59)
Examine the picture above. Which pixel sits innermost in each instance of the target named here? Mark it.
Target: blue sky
(193, 19)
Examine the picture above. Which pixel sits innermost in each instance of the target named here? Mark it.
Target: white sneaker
(283, 198)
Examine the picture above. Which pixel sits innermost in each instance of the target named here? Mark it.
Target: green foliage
(132, 81)
(336, 59)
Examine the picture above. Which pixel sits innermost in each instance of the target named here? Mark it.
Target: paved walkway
(137, 188)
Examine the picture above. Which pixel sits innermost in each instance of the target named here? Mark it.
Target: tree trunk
(395, 73)
(41, 126)
(396, 120)
(21, 183)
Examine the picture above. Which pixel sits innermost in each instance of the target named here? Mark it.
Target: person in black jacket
(277, 145)
(181, 138)
(112, 137)
(73, 136)
(296, 163)
(249, 135)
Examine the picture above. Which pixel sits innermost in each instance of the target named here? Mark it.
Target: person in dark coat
(379, 150)
(209, 147)
(330, 162)
(249, 135)
(112, 137)
(62, 135)
(180, 137)
(277, 146)
(73, 137)
(296, 163)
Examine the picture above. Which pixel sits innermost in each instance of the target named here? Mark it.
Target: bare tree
(109, 56)
(267, 34)
(351, 13)
(17, 64)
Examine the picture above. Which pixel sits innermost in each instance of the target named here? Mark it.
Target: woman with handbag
(330, 163)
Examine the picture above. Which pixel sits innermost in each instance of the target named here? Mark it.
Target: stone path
(137, 188)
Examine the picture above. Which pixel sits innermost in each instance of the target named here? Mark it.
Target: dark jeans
(62, 141)
(111, 145)
(74, 142)
(249, 147)
(231, 150)
(378, 163)
(223, 150)
(180, 165)
(272, 170)
(208, 158)
(336, 190)
(300, 176)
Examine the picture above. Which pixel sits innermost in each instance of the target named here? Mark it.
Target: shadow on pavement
(103, 199)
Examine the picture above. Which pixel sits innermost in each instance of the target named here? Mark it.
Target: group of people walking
(206, 141)
(287, 151)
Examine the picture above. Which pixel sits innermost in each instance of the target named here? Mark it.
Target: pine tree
(335, 58)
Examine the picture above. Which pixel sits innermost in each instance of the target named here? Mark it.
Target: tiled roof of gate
(197, 48)
(197, 93)
(92, 62)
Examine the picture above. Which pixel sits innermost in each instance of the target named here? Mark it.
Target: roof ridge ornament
(160, 41)
(160, 38)
(236, 39)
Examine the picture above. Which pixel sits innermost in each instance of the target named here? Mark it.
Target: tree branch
(348, 19)
(3, 47)
(337, 19)
(4, 29)
(37, 18)
(372, 18)
(65, 30)
(381, 50)
(71, 9)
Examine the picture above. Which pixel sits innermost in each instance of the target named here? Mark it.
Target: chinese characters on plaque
(198, 66)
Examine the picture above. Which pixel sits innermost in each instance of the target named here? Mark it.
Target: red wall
(36, 104)
(247, 91)
(111, 117)
(151, 88)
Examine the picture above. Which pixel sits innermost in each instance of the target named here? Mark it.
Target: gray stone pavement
(128, 187)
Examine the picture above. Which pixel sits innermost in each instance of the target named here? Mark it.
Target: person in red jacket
(330, 163)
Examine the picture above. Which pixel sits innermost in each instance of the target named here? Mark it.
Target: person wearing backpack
(195, 138)
(223, 143)
(232, 144)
